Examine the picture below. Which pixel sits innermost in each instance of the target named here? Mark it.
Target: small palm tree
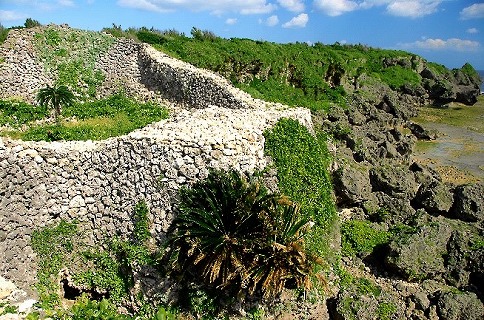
(233, 234)
(54, 97)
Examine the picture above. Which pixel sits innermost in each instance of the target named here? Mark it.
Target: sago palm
(232, 234)
(282, 260)
(218, 227)
(55, 97)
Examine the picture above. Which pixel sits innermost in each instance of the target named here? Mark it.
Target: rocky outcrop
(468, 203)
(434, 226)
(447, 86)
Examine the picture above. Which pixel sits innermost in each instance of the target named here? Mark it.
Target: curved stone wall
(134, 67)
(212, 124)
(98, 183)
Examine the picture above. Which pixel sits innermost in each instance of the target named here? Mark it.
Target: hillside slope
(311, 75)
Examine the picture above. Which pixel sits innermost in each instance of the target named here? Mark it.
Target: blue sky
(449, 32)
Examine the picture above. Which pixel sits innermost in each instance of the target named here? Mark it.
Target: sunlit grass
(469, 117)
(114, 116)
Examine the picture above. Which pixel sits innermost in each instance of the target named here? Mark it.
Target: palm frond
(231, 233)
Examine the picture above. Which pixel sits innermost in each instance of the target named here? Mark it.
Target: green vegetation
(361, 237)
(302, 160)
(386, 310)
(3, 33)
(295, 74)
(97, 120)
(71, 56)
(141, 222)
(54, 97)
(469, 70)
(398, 76)
(85, 308)
(6, 308)
(52, 245)
(16, 113)
(355, 302)
(477, 242)
(107, 271)
(31, 23)
(233, 235)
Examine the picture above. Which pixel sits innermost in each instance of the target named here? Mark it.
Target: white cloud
(297, 22)
(142, 4)
(66, 3)
(412, 8)
(292, 5)
(231, 21)
(452, 44)
(44, 5)
(472, 30)
(401, 8)
(271, 21)
(474, 11)
(335, 8)
(6, 15)
(213, 6)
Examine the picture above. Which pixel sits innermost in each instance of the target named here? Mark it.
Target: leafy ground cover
(301, 160)
(102, 276)
(70, 55)
(96, 120)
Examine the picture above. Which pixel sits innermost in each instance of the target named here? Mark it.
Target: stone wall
(212, 124)
(134, 67)
(21, 73)
(98, 183)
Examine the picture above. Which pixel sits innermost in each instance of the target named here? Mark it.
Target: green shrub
(7, 308)
(141, 223)
(301, 161)
(107, 271)
(398, 76)
(52, 245)
(232, 234)
(3, 33)
(150, 37)
(469, 70)
(16, 113)
(106, 276)
(360, 237)
(115, 31)
(386, 310)
(31, 23)
(84, 308)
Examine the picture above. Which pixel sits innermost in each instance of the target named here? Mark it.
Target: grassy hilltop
(298, 74)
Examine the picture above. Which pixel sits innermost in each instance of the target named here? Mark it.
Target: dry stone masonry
(212, 125)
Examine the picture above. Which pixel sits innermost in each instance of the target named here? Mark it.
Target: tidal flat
(458, 152)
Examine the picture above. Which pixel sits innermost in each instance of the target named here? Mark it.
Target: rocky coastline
(376, 180)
